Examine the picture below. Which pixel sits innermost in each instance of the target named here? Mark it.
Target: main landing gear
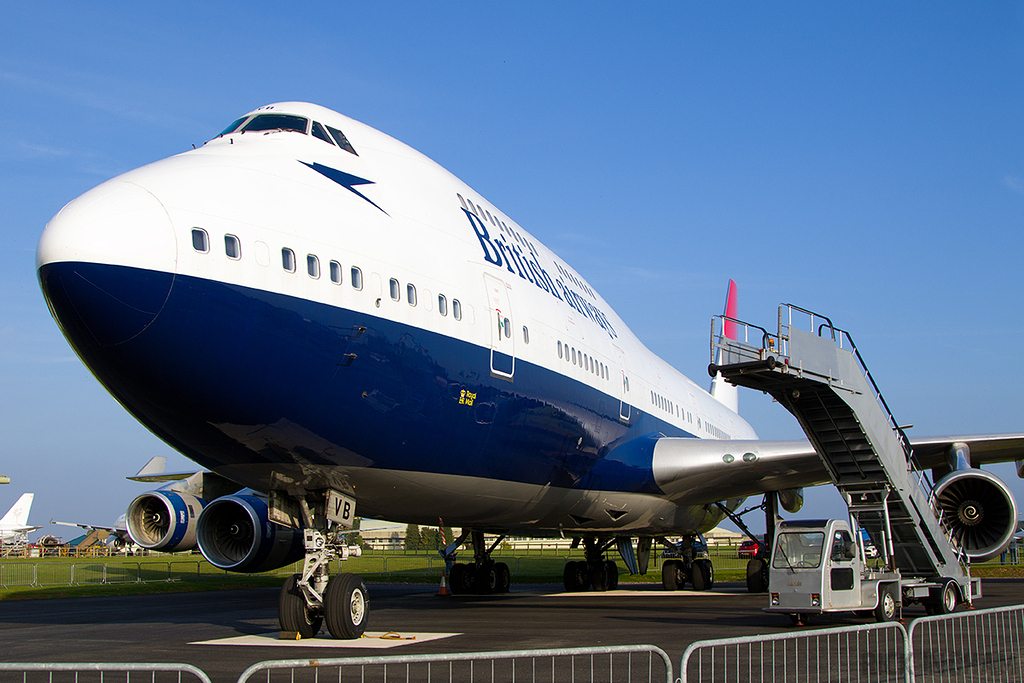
(595, 572)
(757, 565)
(483, 576)
(309, 599)
(691, 565)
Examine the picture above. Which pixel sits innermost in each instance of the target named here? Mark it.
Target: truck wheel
(887, 604)
(757, 576)
(949, 599)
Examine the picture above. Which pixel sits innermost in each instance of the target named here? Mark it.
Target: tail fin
(727, 394)
(18, 514)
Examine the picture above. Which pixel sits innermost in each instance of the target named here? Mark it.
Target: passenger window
(574, 355)
(335, 272)
(442, 305)
(232, 248)
(559, 349)
(410, 294)
(508, 328)
(396, 290)
(526, 335)
(357, 278)
(456, 309)
(200, 240)
(288, 260)
(313, 266)
(318, 132)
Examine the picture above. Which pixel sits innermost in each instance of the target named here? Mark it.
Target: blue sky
(862, 160)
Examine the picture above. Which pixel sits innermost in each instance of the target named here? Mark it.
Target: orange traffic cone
(444, 585)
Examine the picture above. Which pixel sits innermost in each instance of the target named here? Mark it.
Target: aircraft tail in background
(17, 516)
(728, 394)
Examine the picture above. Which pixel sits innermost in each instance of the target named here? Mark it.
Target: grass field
(66, 577)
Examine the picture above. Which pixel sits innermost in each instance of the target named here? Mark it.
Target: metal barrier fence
(614, 664)
(982, 645)
(875, 652)
(79, 672)
(45, 573)
(54, 572)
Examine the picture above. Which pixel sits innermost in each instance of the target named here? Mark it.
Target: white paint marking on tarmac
(373, 641)
(651, 593)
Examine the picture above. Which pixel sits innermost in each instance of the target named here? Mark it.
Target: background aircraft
(14, 525)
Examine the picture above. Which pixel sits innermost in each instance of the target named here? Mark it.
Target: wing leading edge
(696, 471)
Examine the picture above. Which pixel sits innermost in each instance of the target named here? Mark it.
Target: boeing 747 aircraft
(324, 318)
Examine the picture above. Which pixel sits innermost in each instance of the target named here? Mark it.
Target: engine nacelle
(980, 511)
(164, 520)
(235, 533)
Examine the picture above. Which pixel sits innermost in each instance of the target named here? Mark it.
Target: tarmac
(223, 632)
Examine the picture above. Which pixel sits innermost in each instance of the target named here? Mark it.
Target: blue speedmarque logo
(346, 180)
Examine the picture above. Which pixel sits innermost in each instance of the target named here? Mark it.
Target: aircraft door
(503, 359)
(624, 407)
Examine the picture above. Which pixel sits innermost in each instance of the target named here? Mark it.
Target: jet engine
(164, 520)
(235, 533)
(979, 510)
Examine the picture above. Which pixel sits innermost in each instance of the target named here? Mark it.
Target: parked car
(749, 549)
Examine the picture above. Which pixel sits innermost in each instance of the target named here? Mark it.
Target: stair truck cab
(820, 566)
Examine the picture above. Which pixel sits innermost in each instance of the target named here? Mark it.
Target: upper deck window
(277, 122)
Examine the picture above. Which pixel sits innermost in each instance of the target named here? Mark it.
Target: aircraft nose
(106, 263)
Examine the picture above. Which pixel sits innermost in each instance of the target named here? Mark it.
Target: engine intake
(164, 520)
(235, 533)
(979, 510)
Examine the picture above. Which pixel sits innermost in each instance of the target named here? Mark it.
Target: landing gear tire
(292, 612)
(599, 576)
(504, 578)
(346, 606)
(486, 579)
(702, 575)
(463, 578)
(576, 576)
(612, 573)
(888, 606)
(672, 575)
(757, 576)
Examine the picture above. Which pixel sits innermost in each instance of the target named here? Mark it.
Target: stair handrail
(893, 424)
(768, 340)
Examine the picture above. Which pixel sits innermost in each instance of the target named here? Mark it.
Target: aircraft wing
(153, 472)
(696, 471)
(89, 527)
(985, 448)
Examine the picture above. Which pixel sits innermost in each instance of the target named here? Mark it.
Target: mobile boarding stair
(818, 375)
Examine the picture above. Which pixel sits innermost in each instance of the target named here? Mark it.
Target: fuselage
(327, 307)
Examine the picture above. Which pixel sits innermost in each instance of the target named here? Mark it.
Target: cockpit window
(342, 141)
(234, 126)
(318, 132)
(277, 122)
